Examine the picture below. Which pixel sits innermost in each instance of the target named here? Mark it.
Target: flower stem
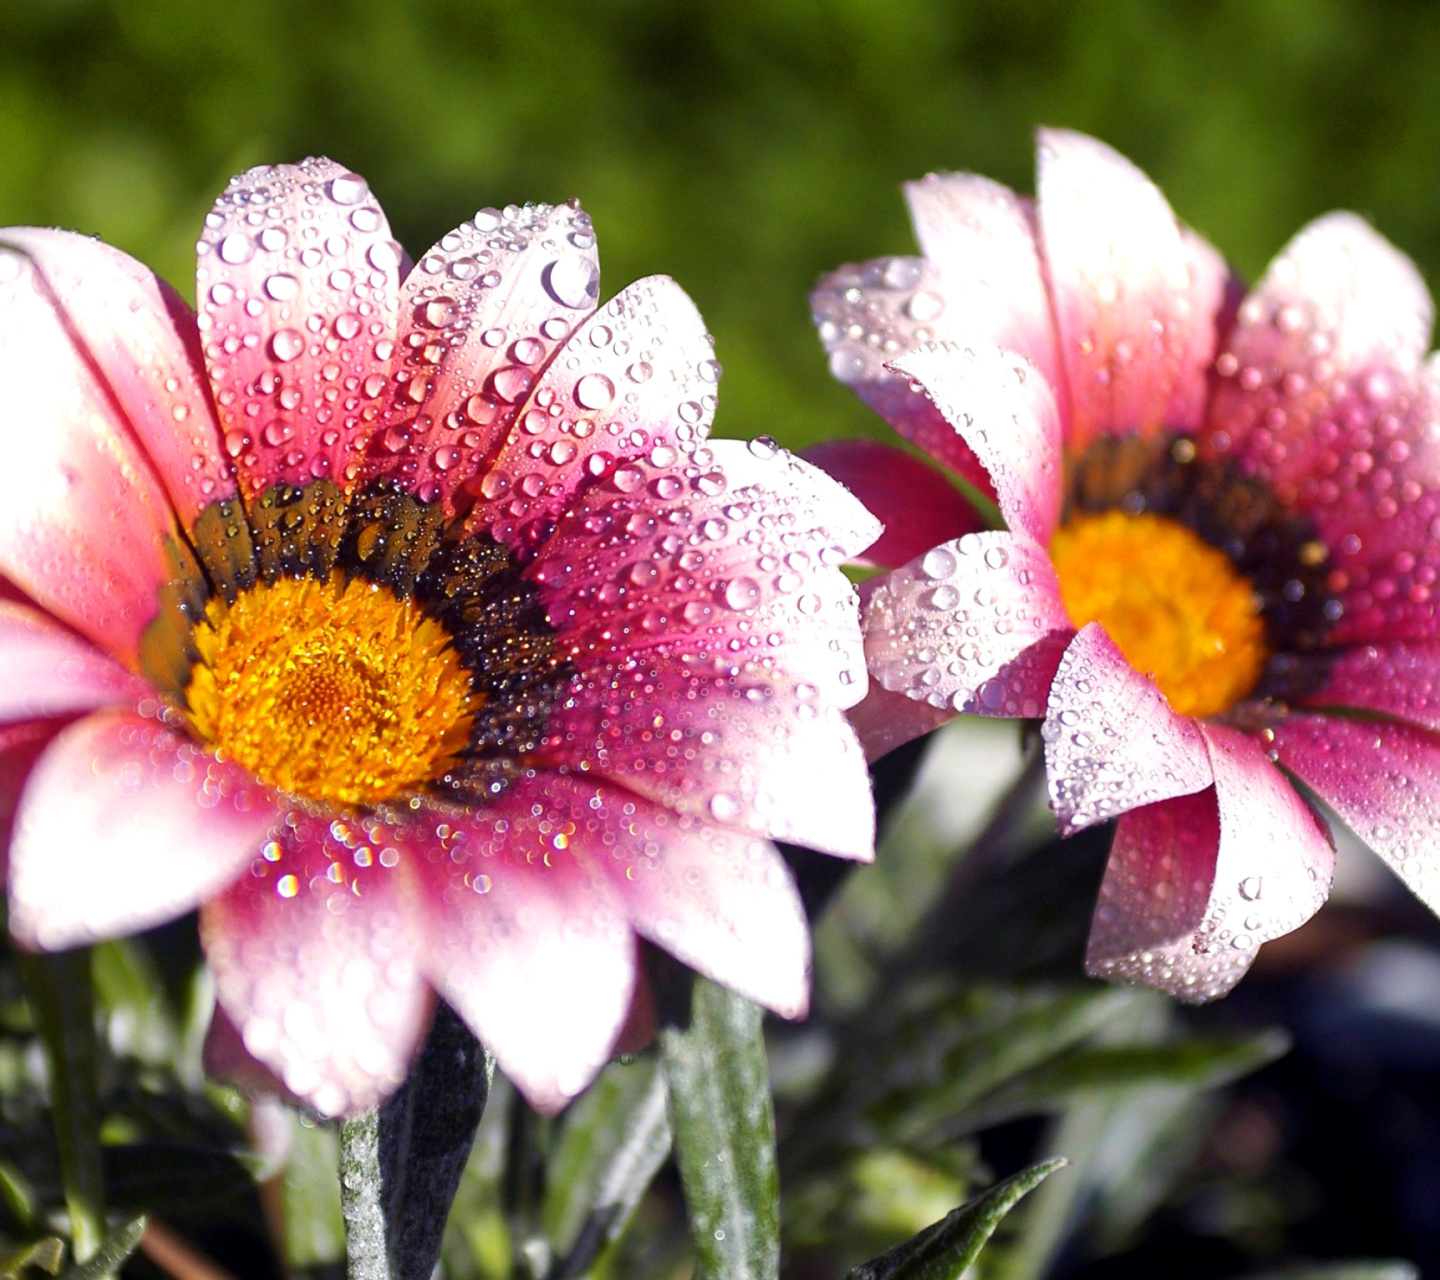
(62, 1002)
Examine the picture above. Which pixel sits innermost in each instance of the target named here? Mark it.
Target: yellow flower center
(1177, 607)
(333, 690)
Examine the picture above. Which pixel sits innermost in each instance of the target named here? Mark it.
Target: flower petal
(872, 314)
(1005, 411)
(975, 606)
(1384, 782)
(1322, 397)
(21, 744)
(528, 941)
(917, 506)
(315, 957)
(482, 312)
(1112, 742)
(735, 551)
(637, 379)
(125, 824)
(722, 901)
(884, 721)
(1134, 309)
(1400, 680)
(1195, 884)
(981, 235)
(742, 746)
(1338, 301)
(141, 337)
(50, 671)
(83, 518)
(298, 287)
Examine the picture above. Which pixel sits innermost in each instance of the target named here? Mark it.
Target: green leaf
(314, 1228)
(401, 1163)
(945, 1250)
(724, 1126)
(58, 990)
(614, 1142)
(111, 1255)
(1195, 1063)
(47, 1254)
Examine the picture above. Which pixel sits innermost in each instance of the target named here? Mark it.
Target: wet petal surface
(298, 289)
(49, 671)
(314, 952)
(951, 627)
(1112, 742)
(481, 315)
(125, 824)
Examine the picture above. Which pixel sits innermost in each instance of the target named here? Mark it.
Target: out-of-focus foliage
(742, 148)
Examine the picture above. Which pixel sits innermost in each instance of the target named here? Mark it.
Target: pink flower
(405, 619)
(1222, 537)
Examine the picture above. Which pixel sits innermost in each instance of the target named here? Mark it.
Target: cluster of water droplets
(640, 375)
(949, 627)
(732, 550)
(1322, 395)
(869, 314)
(482, 314)
(297, 287)
(315, 960)
(1112, 743)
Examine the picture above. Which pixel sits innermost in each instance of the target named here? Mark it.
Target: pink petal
(1323, 398)
(917, 506)
(82, 515)
(637, 379)
(315, 959)
(50, 671)
(722, 901)
(735, 551)
(528, 940)
(298, 286)
(1112, 742)
(140, 337)
(1005, 411)
(1134, 305)
(1400, 680)
(1196, 884)
(874, 313)
(1215, 292)
(981, 235)
(480, 316)
(1338, 301)
(1384, 782)
(125, 824)
(21, 744)
(226, 1058)
(952, 627)
(748, 748)
(884, 720)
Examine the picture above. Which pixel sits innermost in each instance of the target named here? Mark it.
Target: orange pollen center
(336, 690)
(1177, 607)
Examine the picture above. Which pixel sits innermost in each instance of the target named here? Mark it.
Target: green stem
(62, 1002)
(362, 1199)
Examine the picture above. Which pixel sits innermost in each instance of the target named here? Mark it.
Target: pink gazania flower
(404, 620)
(1222, 532)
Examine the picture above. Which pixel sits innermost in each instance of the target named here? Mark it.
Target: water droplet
(286, 345)
(236, 249)
(594, 391)
(348, 189)
(572, 281)
(282, 287)
(742, 593)
(939, 562)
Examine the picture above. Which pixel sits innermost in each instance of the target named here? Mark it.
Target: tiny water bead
(330, 690)
(1178, 608)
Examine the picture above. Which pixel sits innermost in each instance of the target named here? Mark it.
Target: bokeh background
(747, 148)
(743, 148)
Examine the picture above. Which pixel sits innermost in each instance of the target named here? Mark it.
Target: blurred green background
(742, 148)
